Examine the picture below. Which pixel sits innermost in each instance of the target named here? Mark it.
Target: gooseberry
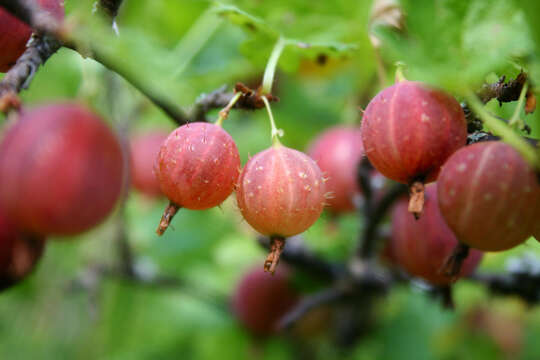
(61, 170)
(408, 132)
(487, 195)
(422, 247)
(197, 168)
(338, 152)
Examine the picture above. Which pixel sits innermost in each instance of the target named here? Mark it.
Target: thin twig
(369, 233)
(309, 303)
(216, 99)
(364, 171)
(40, 20)
(31, 13)
(40, 48)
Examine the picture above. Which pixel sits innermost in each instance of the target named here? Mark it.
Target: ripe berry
(14, 34)
(422, 246)
(19, 253)
(261, 300)
(487, 194)
(408, 132)
(197, 167)
(144, 152)
(61, 170)
(280, 194)
(338, 152)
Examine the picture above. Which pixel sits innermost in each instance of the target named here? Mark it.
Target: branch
(369, 233)
(309, 303)
(31, 13)
(364, 171)
(503, 92)
(217, 99)
(522, 279)
(39, 49)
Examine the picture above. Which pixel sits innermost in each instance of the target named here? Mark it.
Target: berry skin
(261, 300)
(487, 194)
(281, 192)
(19, 253)
(14, 34)
(338, 152)
(144, 151)
(422, 246)
(61, 170)
(408, 132)
(198, 165)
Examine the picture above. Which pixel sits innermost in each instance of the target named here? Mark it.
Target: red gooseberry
(197, 168)
(338, 152)
(422, 247)
(61, 170)
(408, 132)
(261, 300)
(280, 193)
(19, 253)
(487, 195)
(144, 150)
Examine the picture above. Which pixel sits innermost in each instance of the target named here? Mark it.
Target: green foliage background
(181, 49)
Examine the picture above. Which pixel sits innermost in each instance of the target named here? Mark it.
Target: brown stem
(31, 13)
(416, 201)
(168, 215)
(39, 49)
(277, 243)
(452, 265)
(447, 298)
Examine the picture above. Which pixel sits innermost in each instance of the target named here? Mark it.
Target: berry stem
(276, 133)
(506, 133)
(167, 217)
(277, 243)
(452, 265)
(270, 70)
(399, 72)
(224, 113)
(416, 201)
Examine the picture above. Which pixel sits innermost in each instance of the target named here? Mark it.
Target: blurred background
(72, 307)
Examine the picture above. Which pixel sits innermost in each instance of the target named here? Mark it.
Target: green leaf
(455, 44)
(249, 22)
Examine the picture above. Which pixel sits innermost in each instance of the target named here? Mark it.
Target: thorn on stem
(277, 244)
(167, 217)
